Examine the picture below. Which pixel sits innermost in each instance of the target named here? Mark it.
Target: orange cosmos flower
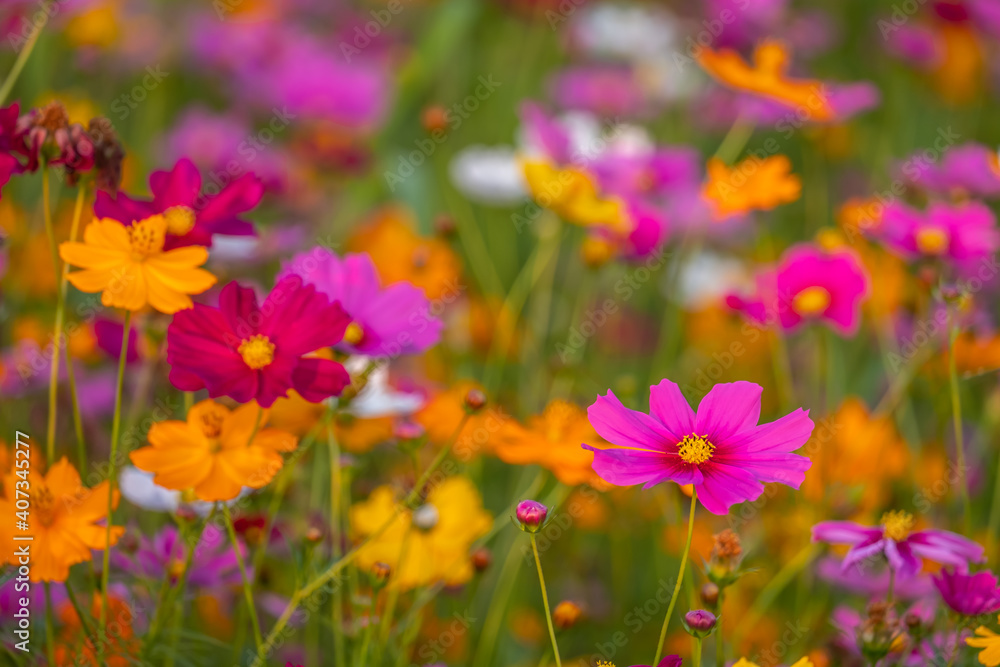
(977, 354)
(400, 254)
(216, 452)
(128, 265)
(74, 646)
(767, 77)
(753, 184)
(552, 440)
(63, 517)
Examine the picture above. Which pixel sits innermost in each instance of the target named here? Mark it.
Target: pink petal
(727, 410)
(627, 428)
(725, 486)
(627, 467)
(319, 379)
(668, 405)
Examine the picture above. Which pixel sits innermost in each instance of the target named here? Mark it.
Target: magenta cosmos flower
(896, 541)
(961, 234)
(809, 284)
(390, 320)
(192, 217)
(720, 449)
(971, 169)
(969, 594)
(10, 140)
(250, 352)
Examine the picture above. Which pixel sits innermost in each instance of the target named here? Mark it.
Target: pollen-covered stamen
(43, 504)
(695, 449)
(932, 240)
(180, 220)
(811, 301)
(147, 236)
(210, 421)
(354, 334)
(257, 351)
(897, 525)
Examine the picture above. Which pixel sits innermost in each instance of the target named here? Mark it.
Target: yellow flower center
(180, 220)
(354, 334)
(147, 236)
(175, 568)
(898, 525)
(811, 301)
(605, 663)
(210, 422)
(257, 351)
(188, 496)
(932, 240)
(695, 449)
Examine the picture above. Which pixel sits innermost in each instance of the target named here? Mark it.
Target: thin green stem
(361, 658)
(720, 646)
(696, 657)
(81, 444)
(112, 481)
(333, 571)
(22, 57)
(336, 480)
(545, 599)
(890, 595)
(247, 592)
(956, 410)
(50, 430)
(680, 578)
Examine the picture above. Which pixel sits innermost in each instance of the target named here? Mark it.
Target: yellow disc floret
(695, 449)
(180, 220)
(811, 301)
(257, 351)
(898, 525)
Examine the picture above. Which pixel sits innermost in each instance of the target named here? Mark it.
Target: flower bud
(482, 558)
(724, 561)
(314, 534)
(475, 400)
(380, 574)
(596, 252)
(710, 594)
(425, 517)
(186, 513)
(434, 118)
(108, 155)
(700, 623)
(566, 614)
(409, 430)
(444, 225)
(531, 515)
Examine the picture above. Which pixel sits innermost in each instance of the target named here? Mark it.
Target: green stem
(331, 572)
(680, 578)
(892, 587)
(22, 57)
(336, 481)
(361, 659)
(720, 646)
(956, 410)
(696, 657)
(112, 480)
(50, 431)
(247, 592)
(70, 373)
(545, 599)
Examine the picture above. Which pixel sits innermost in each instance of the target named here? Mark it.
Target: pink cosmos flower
(192, 217)
(961, 234)
(720, 448)
(390, 320)
(970, 168)
(809, 284)
(250, 352)
(10, 139)
(969, 594)
(895, 540)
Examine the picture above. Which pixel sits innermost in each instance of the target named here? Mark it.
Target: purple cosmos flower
(720, 449)
(192, 218)
(213, 564)
(895, 540)
(969, 594)
(610, 91)
(10, 139)
(970, 168)
(669, 661)
(390, 320)
(809, 284)
(871, 583)
(962, 234)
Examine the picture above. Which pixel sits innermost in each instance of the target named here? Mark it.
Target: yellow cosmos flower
(426, 545)
(64, 519)
(989, 641)
(753, 184)
(130, 268)
(803, 662)
(572, 195)
(216, 452)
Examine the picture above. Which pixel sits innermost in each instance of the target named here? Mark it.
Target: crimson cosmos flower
(250, 352)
